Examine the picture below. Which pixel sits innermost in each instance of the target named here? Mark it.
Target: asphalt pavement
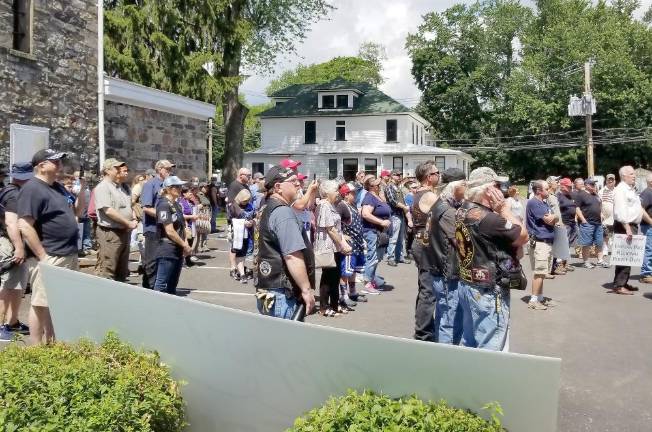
(603, 339)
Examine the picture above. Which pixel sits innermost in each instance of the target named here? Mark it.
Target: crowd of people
(466, 236)
(50, 216)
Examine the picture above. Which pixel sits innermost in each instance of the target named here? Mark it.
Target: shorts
(39, 297)
(540, 258)
(590, 234)
(352, 264)
(14, 279)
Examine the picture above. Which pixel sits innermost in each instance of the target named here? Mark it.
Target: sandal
(330, 313)
(342, 310)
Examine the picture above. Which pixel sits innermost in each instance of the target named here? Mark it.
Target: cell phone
(314, 177)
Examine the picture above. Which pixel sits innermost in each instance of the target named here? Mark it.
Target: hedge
(370, 412)
(87, 387)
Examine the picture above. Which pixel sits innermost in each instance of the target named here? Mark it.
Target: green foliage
(497, 69)
(370, 412)
(86, 387)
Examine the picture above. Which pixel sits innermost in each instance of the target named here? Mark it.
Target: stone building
(142, 125)
(48, 75)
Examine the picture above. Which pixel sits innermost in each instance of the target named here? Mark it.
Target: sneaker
(5, 335)
(243, 280)
(537, 305)
(392, 263)
(370, 289)
(602, 264)
(646, 279)
(234, 274)
(549, 276)
(559, 271)
(588, 265)
(348, 302)
(360, 298)
(406, 261)
(194, 259)
(19, 327)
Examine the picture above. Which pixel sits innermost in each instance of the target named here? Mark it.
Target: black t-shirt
(590, 205)
(55, 221)
(501, 232)
(646, 201)
(234, 189)
(567, 206)
(167, 213)
(8, 203)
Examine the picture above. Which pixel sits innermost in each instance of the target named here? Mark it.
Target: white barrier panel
(247, 372)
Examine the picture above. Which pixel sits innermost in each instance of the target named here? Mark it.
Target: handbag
(324, 259)
(383, 239)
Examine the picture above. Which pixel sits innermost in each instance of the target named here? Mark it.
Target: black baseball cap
(277, 174)
(452, 174)
(46, 154)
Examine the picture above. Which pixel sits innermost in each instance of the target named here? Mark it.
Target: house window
(22, 34)
(413, 141)
(340, 130)
(421, 135)
(397, 163)
(371, 166)
(417, 135)
(342, 101)
(391, 130)
(332, 168)
(258, 167)
(328, 101)
(311, 132)
(349, 169)
(440, 161)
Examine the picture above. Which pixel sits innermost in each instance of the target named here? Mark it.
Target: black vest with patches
(444, 256)
(479, 257)
(419, 218)
(271, 270)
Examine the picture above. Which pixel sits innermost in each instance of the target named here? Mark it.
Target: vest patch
(265, 268)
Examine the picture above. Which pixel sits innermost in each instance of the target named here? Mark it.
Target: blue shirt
(149, 198)
(381, 210)
(534, 213)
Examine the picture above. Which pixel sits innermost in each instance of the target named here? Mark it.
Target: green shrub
(370, 412)
(86, 387)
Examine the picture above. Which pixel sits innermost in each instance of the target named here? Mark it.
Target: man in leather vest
(445, 270)
(284, 261)
(489, 239)
(427, 175)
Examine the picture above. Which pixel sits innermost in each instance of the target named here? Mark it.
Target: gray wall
(56, 85)
(141, 136)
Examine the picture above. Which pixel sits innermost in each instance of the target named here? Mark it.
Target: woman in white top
(514, 202)
(329, 239)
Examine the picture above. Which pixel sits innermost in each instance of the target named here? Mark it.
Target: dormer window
(328, 101)
(342, 101)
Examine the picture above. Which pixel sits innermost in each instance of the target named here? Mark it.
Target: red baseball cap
(385, 173)
(566, 182)
(346, 189)
(289, 163)
(301, 176)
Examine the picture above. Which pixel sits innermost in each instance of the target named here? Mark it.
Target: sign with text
(624, 253)
(248, 372)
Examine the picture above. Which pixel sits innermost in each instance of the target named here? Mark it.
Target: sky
(387, 22)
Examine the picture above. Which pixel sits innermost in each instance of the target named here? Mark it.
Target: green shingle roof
(304, 100)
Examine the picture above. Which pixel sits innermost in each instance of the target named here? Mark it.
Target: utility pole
(210, 150)
(589, 127)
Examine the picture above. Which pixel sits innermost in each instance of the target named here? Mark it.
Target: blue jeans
(395, 246)
(646, 269)
(373, 256)
(283, 306)
(215, 212)
(87, 242)
(485, 316)
(168, 271)
(448, 311)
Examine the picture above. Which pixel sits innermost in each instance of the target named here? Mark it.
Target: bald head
(627, 175)
(244, 175)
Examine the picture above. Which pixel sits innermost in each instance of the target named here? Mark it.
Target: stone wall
(141, 136)
(54, 86)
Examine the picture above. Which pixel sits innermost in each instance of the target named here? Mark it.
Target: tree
(254, 31)
(495, 70)
(354, 69)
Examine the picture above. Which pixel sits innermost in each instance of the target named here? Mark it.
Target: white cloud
(387, 22)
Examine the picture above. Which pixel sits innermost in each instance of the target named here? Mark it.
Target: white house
(339, 128)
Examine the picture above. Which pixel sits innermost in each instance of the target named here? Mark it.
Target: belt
(421, 235)
(111, 229)
(549, 241)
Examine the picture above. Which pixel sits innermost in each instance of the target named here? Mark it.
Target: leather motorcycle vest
(419, 218)
(270, 268)
(479, 257)
(444, 256)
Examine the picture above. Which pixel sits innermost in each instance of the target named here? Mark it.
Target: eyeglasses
(434, 172)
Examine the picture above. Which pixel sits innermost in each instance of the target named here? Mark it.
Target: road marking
(221, 292)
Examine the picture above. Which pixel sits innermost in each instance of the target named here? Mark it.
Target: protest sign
(625, 253)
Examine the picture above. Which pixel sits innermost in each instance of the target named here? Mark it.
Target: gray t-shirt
(283, 223)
